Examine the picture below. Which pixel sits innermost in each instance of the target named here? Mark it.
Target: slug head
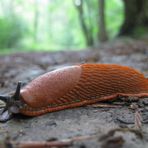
(12, 104)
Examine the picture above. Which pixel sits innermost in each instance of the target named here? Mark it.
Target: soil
(86, 126)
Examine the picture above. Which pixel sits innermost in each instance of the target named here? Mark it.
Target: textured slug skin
(80, 85)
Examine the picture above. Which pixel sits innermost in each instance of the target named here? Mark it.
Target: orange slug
(75, 86)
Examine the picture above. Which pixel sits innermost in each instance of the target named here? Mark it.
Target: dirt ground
(84, 127)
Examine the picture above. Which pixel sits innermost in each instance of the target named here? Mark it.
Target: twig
(39, 144)
(45, 144)
(104, 105)
(138, 120)
(81, 138)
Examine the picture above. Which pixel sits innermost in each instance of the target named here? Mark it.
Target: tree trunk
(102, 35)
(136, 15)
(85, 28)
(36, 20)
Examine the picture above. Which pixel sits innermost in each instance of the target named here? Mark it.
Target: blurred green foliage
(114, 16)
(11, 32)
(52, 25)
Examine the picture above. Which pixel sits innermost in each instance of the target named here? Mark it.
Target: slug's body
(79, 85)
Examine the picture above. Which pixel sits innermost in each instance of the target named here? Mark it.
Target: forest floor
(88, 126)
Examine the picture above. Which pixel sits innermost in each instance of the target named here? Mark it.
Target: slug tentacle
(12, 104)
